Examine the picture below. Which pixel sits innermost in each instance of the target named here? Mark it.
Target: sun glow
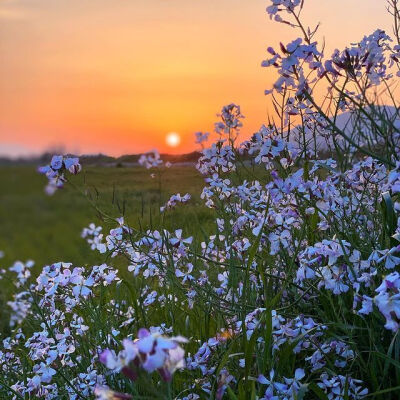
(173, 139)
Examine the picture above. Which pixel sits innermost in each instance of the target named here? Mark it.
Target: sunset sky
(116, 76)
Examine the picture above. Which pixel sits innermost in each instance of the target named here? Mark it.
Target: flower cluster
(291, 63)
(340, 387)
(174, 200)
(54, 306)
(230, 119)
(289, 389)
(333, 264)
(387, 300)
(279, 6)
(366, 58)
(217, 159)
(201, 137)
(55, 171)
(150, 160)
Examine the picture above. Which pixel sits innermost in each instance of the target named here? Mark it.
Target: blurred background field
(47, 229)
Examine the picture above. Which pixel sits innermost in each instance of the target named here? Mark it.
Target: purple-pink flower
(150, 351)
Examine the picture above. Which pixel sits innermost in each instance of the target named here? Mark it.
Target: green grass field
(47, 229)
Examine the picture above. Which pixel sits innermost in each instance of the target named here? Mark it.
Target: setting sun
(173, 139)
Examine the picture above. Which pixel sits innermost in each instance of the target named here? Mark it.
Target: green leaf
(225, 358)
(392, 389)
(389, 215)
(231, 395)
(388, 359)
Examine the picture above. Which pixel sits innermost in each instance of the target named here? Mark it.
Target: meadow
(45, 229)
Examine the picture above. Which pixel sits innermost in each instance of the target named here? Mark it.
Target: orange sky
(115, 76)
